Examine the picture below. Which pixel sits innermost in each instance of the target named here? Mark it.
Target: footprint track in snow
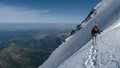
(91, 59)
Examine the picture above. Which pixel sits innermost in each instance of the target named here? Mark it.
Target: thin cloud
(15, 14)
(20, 14)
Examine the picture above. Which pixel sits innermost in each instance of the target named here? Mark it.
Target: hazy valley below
(29, 45)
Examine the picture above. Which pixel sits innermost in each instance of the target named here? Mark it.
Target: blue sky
(45, 11)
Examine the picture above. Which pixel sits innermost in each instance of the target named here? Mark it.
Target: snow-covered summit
(77, 51)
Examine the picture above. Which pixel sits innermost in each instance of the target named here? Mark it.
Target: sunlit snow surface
(78, 52)
(106, 54)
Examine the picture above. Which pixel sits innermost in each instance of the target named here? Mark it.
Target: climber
(72, 32)
(95, 31)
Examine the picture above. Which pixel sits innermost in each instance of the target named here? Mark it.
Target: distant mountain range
(36, 26)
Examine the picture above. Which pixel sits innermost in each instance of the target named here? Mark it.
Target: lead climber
(95, 31)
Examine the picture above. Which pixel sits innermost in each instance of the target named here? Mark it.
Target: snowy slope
(107, 15)
(106, 54)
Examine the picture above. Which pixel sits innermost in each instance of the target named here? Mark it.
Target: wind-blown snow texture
(78, 52)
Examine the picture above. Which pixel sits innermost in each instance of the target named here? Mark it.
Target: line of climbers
(80, 26)
(95, 30)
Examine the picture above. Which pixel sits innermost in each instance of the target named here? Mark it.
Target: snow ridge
(91, 60)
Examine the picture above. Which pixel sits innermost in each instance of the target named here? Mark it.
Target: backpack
(95, 29)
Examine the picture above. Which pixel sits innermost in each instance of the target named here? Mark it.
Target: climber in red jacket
(95, 31)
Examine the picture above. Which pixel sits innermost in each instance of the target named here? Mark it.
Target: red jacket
(95, 29)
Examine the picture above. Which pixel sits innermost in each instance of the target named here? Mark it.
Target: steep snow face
(107, 15)
(105, 54)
